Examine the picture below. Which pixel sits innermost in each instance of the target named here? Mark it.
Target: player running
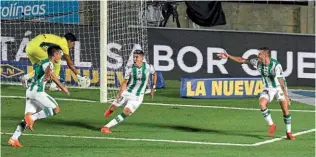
(36, 51)
(132, 90)
(38, 103)
(274, 86)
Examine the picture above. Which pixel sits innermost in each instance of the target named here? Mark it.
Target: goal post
(121, 31)
(106, 33)
(103, 51)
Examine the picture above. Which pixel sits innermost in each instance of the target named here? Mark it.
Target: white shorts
(129, 100)
(270, 93)
(36, 101)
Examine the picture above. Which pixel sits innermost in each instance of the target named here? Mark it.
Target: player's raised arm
(234, 58)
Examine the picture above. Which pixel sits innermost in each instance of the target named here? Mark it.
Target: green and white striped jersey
(38, 82)
(269, 73)
(138, 78)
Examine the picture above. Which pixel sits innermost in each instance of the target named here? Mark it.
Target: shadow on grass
(90, 126)
(80, 124)
(196, 129)
(51, 120)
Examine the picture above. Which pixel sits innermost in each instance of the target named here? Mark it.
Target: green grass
(155, 122)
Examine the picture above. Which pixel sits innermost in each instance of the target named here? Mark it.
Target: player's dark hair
(70, 36)
(52, 49)
(139, 52)
(266, 49)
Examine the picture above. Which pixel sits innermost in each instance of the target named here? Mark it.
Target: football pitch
(163, 127)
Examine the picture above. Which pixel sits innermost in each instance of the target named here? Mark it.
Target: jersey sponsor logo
(9, 71)
(13, 10)
(50, 11)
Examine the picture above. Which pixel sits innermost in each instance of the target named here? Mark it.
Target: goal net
(124, 35)
(23, 20)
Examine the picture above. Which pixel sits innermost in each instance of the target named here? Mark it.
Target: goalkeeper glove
(83, 81)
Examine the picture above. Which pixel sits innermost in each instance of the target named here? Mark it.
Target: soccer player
(274, 86)
(38, 103)
(36, 51)
(132, 90)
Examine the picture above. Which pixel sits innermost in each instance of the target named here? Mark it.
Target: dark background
(235, 43)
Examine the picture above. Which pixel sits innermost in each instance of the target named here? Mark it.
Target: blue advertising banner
(11, 71)
(50, 11)
(220, 87)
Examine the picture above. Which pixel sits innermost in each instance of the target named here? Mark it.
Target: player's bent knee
(127, 111)
(282, 100)
(29, 113)
(56, 110)
(113, 107)
(263, 102)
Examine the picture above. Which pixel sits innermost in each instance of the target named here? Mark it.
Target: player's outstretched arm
(49, 75)
(70, 64)
(234, 58)
(56, 80)
(83, 80)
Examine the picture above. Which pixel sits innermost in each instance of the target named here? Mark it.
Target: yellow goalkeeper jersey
(46, 40)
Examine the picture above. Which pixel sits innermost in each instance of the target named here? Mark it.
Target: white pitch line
(283, 137)
(137, 139)
(77, 100)
(174, 105)
(221, 107)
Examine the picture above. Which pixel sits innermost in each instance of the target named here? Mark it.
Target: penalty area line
(172, 105)
(283, 137)
(136, 139)
(221, 107)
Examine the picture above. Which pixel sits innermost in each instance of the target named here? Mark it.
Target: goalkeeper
(132, 90)
(36, 51)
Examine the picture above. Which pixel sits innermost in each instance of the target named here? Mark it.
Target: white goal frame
(103, 51)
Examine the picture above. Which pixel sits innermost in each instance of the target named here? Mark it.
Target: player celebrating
(36, 51)
(36, 98)
(274, 86)
(132, 90)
